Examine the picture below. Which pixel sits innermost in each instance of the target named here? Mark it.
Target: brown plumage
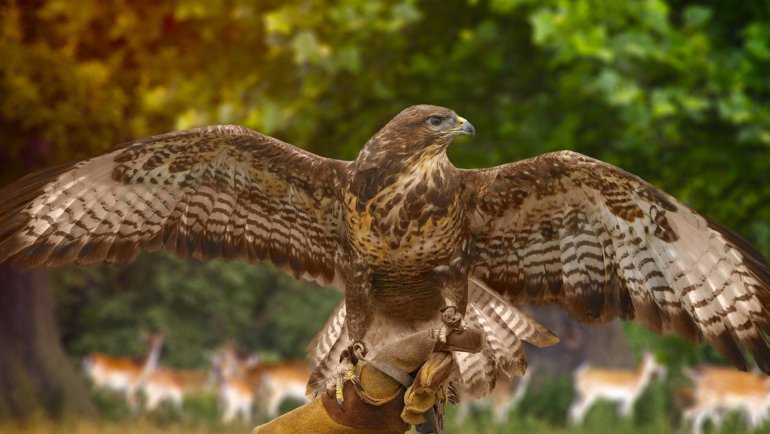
(404, 233)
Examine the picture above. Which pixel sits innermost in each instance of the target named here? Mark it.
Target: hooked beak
(465, 127)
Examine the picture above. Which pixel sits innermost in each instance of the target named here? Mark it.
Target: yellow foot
(347, 372)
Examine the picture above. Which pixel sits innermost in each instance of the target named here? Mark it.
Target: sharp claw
(356, 382)
(350, 375)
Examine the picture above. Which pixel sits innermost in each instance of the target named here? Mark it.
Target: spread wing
(219, 191)
(567, 229)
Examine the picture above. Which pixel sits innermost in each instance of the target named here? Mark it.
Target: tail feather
(325, 349)
(511, 320)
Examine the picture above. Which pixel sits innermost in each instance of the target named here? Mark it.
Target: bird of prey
(405, 234)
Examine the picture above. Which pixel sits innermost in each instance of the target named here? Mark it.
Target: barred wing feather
(566, 229)
(220, 191)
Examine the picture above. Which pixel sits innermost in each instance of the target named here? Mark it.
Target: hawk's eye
(435, 121)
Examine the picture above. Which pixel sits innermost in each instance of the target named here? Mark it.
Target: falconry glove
(390, 399)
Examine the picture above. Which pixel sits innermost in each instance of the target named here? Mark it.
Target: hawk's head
(419, 130)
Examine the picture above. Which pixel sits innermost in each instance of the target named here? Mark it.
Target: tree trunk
(35, 375)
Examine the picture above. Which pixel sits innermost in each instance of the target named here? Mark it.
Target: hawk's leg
(359, 309)
(347, 372)
(453, 282)
(358, 304)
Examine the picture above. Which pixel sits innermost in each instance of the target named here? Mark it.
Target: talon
(353, 378)
(347, 373)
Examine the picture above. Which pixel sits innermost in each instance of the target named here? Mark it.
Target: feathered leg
(358, 302)
(453, 281)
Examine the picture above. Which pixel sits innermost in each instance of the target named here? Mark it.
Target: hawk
(405, 234)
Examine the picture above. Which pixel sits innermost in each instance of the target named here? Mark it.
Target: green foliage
(549, 400)
(197, 305)
(111, 405)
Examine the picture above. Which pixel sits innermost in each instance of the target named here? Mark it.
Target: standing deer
(621, 386)
(172, 385)
(276, 382)
(124, 375)
(502, 399)
(718, 390)
(236, 395)
(244, 382)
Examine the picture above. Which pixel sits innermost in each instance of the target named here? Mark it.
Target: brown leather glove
(380, 408)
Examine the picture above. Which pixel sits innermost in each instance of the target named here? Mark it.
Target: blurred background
(675, 91)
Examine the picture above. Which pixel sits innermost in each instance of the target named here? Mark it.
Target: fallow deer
(718, 390)
(242, 383)
(172, 385)
(236, 395)
(621, 386)
(124, 375)
(276, 382)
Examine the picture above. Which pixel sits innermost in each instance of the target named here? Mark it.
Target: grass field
(541, 413)
(601, 421)
(114, 427)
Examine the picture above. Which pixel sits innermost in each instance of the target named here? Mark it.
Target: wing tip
(726, 345)
(758, 347)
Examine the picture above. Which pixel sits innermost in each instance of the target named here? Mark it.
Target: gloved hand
(382, 407)
(424, 400)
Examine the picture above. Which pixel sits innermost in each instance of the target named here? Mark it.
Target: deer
(621, 386)
(236, 394)
(275, 382)
(719, 390)
(124, 375)
(242, 383)
(172, 385)
(502, 399)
